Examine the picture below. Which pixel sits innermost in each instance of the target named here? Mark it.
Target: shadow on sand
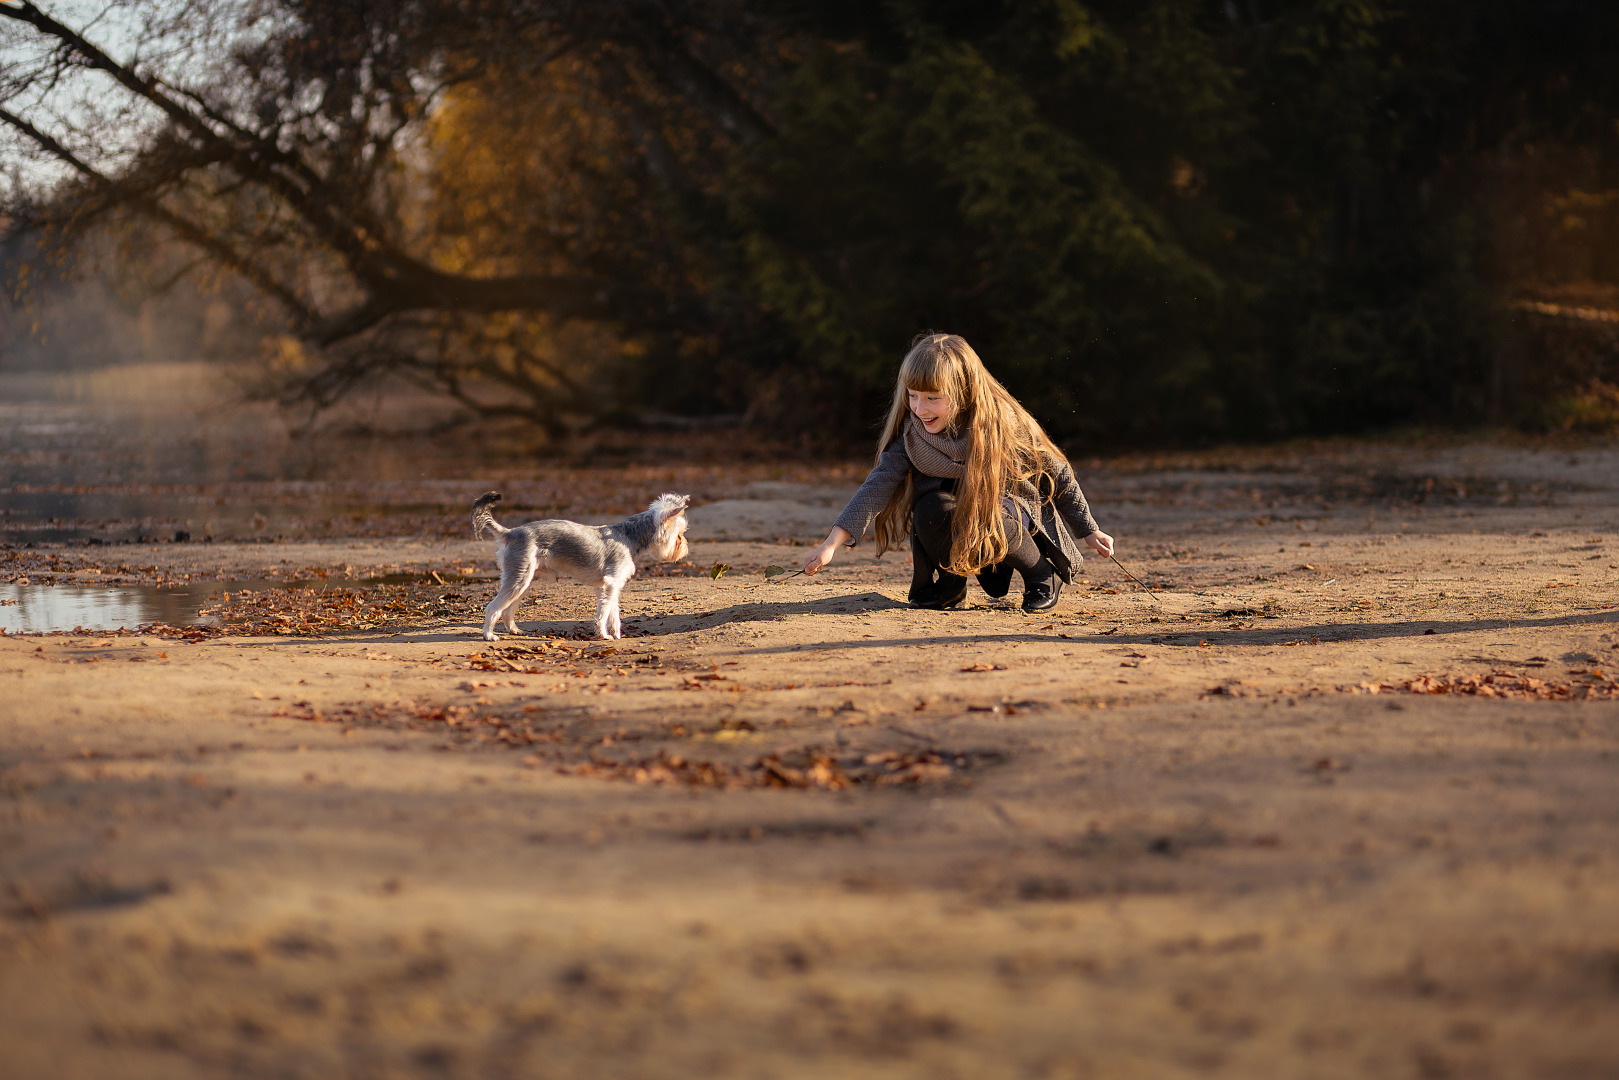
(861, 603)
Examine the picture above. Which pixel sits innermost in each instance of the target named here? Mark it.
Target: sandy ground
(792, 827)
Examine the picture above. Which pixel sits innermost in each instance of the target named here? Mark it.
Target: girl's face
(932, 407)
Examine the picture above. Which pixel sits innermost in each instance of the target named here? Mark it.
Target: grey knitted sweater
(1066, 517)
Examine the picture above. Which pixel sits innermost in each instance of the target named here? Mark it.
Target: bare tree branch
(305, 177)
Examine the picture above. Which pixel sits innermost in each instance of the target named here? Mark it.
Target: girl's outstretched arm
(885, 477)
(822, 555)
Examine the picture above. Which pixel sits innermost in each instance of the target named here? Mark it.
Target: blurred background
(718, 223)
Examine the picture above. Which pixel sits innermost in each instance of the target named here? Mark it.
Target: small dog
(600, 555)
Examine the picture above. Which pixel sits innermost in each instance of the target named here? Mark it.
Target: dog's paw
(489, 635)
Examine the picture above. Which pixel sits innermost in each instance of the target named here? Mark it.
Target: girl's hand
(1101, 543)
(822, 555)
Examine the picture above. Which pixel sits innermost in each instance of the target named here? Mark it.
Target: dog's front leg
(607, 621)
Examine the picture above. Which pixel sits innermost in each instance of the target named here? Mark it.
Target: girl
(969, 476)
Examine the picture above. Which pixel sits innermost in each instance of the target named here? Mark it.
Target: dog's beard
(671, 544)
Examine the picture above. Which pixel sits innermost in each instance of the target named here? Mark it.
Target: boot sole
(1047, 605)
(941, 605)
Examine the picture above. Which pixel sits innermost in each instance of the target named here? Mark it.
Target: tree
(1180, 217)
(297, 154)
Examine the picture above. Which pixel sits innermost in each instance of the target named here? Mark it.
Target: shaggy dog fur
(599, 555)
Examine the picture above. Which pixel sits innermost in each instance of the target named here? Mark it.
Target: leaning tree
(486, 195)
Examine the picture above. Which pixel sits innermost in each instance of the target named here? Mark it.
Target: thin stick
(1135, 579)
(783, 576)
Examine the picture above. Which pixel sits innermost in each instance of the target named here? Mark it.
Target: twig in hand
(1135, 579)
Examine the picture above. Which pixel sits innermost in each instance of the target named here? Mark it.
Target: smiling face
(931, 407)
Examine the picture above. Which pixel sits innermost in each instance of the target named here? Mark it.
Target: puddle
(33, 609)
(36, 609)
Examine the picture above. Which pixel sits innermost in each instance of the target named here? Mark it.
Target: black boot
(1037, 573)
(1042, 587)
(947, 592)
(930, 522)
(996, 581)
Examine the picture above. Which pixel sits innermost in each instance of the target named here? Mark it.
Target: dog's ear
(669, 504)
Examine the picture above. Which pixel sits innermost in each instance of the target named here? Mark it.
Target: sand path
(800, 829)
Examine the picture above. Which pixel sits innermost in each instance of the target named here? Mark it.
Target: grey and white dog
(600, 555)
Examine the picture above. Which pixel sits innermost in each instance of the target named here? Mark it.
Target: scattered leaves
(1588, 685)
(795, 769)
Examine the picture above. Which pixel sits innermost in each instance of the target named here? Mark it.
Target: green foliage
(1156, 219)
(1153, 220)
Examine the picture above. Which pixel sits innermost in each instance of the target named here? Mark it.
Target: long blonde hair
(1004, 444)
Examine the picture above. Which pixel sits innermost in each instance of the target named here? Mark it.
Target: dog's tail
(481, 517)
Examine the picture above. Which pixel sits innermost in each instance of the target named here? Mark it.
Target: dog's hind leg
(516, 575)
(492, 613)
(517, 602)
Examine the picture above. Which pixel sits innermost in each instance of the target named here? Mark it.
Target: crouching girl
(968, 475)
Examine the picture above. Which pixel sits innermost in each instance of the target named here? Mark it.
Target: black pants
(930, 544)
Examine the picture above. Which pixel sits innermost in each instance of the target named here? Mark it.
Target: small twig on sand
(1135, 579)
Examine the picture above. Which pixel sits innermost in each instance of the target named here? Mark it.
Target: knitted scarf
(935, 455)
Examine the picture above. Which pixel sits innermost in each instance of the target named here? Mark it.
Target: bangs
(925, 382)
(928, 370)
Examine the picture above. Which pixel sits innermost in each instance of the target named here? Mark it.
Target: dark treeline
(1173, 220)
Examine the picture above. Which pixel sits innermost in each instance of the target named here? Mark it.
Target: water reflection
(36, 609)
(47, 608)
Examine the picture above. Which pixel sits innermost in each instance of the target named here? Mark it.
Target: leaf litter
(1585, 685)
(572, 743)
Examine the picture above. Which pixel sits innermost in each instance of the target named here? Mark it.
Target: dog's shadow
(654, 620)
